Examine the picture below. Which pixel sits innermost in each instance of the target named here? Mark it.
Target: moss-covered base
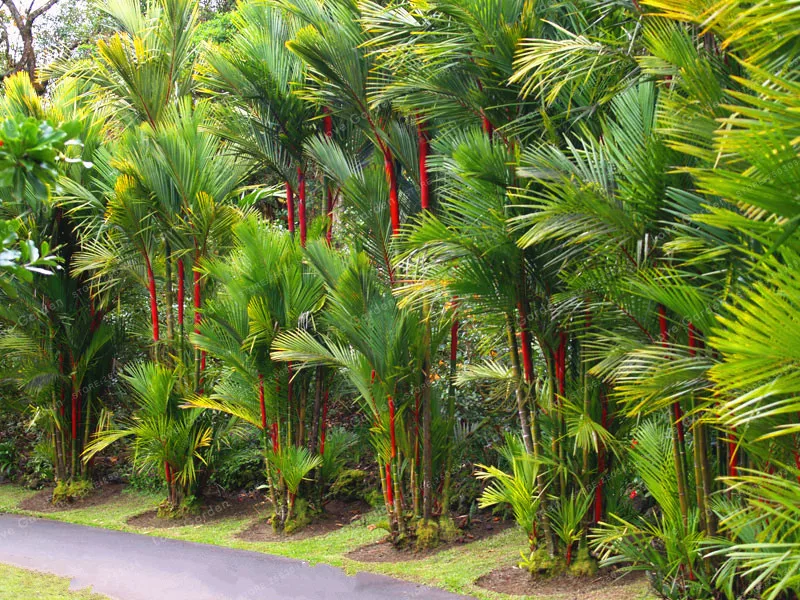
(70, 491)
(539, 562)
(583, 565)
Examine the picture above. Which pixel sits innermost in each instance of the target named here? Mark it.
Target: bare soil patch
(212, 509)
(605, 585)
(481, 527)
(42, 501)
(335, 515)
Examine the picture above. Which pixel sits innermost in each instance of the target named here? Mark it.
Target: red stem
(677, 413)
(151, 287)
(276, 443)
(561, 368)
(525, 342)
(392, 436)
(389, 491)
(391, 179)
(181, 278)
(301, 208)
(423, 144)
(261, 402)
(289, 208)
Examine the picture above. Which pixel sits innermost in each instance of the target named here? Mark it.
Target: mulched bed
(336, 514)
(212, 509)
(605, 585)
(481, 527)
(42, 501)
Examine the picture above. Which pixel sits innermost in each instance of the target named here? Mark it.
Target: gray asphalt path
(127, 566)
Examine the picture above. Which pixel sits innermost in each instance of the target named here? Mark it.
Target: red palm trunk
(561, 364)
(328, 128)
(389, 491)
(181, 278)
(289, 208)
(151, 287)
(677, 413)
(424, 190)
(488, 128)
(261, 402)
(525, 342)
(301, 206)
(392, 436)
(391, 179)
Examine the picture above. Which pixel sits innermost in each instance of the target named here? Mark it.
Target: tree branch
(42, 9)
(15, 14)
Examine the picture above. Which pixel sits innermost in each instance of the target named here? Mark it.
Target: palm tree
(55, 337)
(264, 289)
(264, 116)
(167, 437)
(379, 348)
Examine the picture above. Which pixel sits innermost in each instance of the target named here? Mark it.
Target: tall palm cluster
(603, 194)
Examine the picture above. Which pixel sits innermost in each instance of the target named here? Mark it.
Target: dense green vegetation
(409, 231)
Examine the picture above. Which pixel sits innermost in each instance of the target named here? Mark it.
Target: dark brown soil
(42, 501)
(212, 509)
(606, 585)
(336, 514)
(481, 527)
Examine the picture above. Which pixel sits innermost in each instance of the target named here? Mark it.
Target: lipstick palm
(263, 115)
(378, 348)
(263, 289)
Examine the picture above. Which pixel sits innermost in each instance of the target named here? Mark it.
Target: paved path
(128, 566)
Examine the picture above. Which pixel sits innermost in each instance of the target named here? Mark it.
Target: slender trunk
(289, 402)
(423, 144)
(522, 411)
(75, 397)
(488, 128)
(200, 355)
(301, 414)
(289, 208)
(531, 445)
(168, 292)
(328, 128)
(393, 473)
(316, 416)
(87, 430)
(677, 433)
(324, 425)
(151, 287)
(451, 415)
(601, 461)
(301, 204)
(415, 459)
(262, 404)
(427, 442)
(181, 279)
(391, 179)
(57, 442)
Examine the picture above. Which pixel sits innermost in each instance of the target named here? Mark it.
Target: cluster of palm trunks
(600, 198)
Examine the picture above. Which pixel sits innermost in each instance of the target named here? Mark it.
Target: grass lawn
(31, 585)
(454, 569)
